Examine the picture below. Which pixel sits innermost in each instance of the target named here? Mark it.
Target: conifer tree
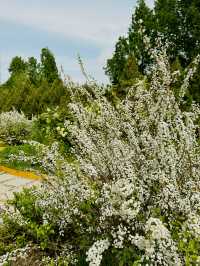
(130, 49)
(33, 70)
(175, 22)
(142, 24)
(116, 64)
(49, 69)
(17, 65)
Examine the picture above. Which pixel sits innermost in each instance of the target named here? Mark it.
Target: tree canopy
(49, 69)
(32, 85)
(176, 22)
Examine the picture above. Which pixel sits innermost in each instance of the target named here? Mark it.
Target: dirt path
(13, 181)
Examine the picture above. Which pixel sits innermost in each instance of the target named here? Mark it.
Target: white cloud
(97, 22)
(91, 23)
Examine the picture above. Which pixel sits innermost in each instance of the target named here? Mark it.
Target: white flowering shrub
(14, 127)
(41, 157)
(130, 194)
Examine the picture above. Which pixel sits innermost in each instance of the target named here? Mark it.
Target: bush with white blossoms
(131, 194)
(14, 127)
(47, 158)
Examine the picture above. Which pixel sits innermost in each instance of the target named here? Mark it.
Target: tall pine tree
(49, 69)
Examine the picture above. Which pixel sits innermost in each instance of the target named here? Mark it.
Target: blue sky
(88, 27)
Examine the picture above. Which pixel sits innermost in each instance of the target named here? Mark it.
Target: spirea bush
(39, 156)
(131, 194)
(14, 127)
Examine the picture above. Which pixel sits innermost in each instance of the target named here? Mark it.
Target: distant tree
(17, 65)
(131, 48)
(190, 27)
(49, 69)
(168, 24)
(179, 23)
(116, 64)
(33, 86)
(130, 73)
(33, 70)
(130, 51)
(142, 24)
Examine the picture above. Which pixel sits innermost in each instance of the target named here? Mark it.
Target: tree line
(33, 85)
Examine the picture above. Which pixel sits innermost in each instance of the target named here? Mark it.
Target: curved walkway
(13, 181)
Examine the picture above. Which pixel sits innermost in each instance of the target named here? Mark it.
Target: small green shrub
(50, 127)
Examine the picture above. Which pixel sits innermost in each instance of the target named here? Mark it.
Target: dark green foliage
(130, 51)
(25, 96)
(179, 23)
(17, 65)
(6, 240)
(167, 18)
(33, 70)
(33, 86)
(49, 69)
(142, 24)
(176, 22)
(117, 63)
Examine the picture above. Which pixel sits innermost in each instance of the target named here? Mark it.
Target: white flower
(94, 254)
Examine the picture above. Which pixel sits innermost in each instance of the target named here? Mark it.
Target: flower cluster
(94, 254)
(158, 245)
